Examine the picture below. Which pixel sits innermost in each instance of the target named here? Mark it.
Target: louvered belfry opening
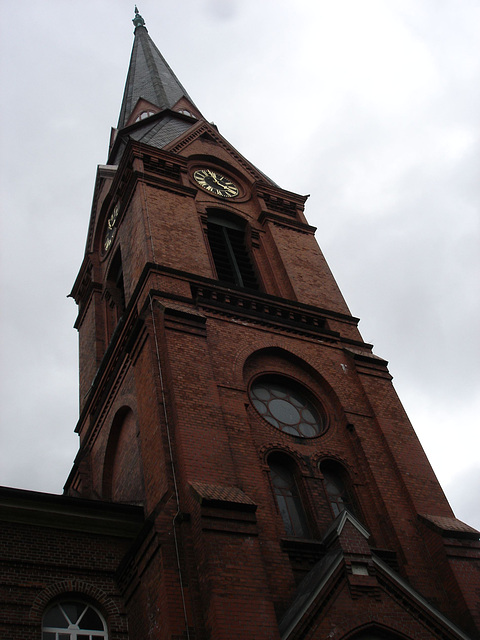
(230, 255)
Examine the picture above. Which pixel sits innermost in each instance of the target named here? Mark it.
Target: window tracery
(287, 407)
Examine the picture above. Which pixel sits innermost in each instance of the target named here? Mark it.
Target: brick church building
(245, 467)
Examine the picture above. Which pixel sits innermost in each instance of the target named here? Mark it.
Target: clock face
(111, 228)
(216, 183)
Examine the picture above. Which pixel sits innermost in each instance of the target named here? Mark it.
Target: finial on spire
(138, 21)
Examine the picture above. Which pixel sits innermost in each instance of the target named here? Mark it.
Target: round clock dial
(216, 183)
(111, 228)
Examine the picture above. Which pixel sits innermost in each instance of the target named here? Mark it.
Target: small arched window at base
(73, 620)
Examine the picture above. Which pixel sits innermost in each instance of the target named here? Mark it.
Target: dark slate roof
(154, 131)
(162, 132)
(149, 77)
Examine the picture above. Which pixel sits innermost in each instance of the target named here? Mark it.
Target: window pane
(48, 635)
(337, 487)
(288, 500)
(91, 620)
(296, 516)
(281, 478)
(307, 430)
(282, 506)
(73, 610)
(283, 411)
(64, 636)
(55, 618)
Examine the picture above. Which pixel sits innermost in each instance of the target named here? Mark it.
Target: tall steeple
(149, 76)
(225, 388)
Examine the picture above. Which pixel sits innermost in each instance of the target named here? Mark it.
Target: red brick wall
(184, 370)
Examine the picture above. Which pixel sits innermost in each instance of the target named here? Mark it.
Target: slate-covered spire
(149, 76)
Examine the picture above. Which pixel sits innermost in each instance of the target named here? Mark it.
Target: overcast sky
(370, 107)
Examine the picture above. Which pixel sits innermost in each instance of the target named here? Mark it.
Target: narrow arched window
(338, 488)
(115, 282)
(226, 238)
(114, 294)
(73, 620)
(288, 497)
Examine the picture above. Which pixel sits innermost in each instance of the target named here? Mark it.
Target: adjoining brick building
(245, 469)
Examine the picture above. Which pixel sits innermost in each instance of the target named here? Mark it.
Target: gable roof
(332, 570)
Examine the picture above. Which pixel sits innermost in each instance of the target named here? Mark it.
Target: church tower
(226, 390)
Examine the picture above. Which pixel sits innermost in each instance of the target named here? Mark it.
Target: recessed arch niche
(123, 474)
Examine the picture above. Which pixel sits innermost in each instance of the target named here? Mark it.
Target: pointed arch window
(226, 238)
(73, 620)
(338, 488)
(288, 497)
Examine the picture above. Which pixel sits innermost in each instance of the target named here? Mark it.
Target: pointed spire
(149, 76)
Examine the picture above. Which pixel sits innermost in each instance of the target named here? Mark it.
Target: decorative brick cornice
(283, 221)
(287, 316)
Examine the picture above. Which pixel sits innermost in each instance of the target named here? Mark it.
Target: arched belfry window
(338, 488)
(285, 487)
(226, 238)
(73, 620)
